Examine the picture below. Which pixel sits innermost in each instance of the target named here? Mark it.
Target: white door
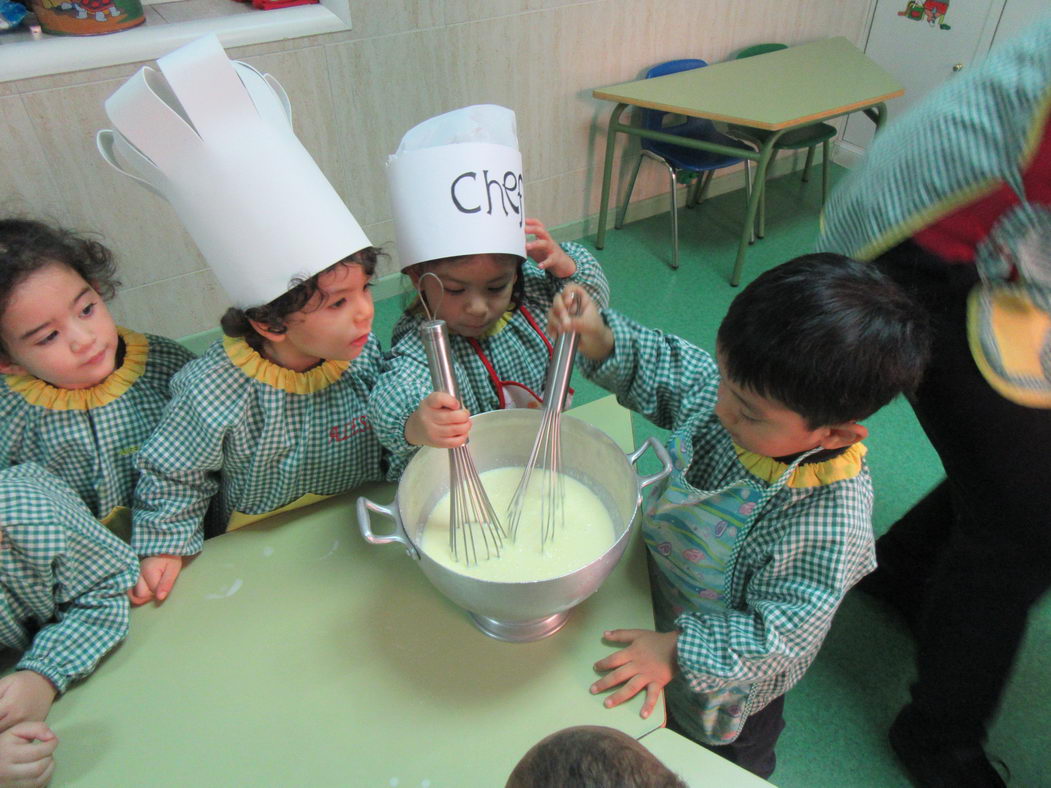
(922, 43)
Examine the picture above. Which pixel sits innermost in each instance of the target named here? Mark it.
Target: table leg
(607, 173)
(759, 186)
(877, 113)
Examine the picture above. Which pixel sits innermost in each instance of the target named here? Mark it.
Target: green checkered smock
(88, 437)
(808, 540)
(63, 577)
(516, 351)
(255, 437)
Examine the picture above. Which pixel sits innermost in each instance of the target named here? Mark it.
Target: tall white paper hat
(456, 186)
(214, 138)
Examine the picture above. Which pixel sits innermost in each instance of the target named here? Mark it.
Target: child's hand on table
(546, 253)
(648, 663)
(596, 339)
(26, 753)
(439, 422)
(157, 575)
(25, 696)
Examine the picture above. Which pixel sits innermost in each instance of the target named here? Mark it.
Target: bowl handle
(662, 455)
(398, 535)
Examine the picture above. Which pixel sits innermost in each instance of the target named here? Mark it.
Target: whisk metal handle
(435, 337)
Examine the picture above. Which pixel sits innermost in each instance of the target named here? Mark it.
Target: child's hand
(438, 422)
(574, 310)
(26, 753)
(157, 575)
(546, 253)
(25, 696)
(648, 663)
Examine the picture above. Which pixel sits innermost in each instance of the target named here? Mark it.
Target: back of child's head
(591, 756)
(236, 322)
(28, 245)
(828, 337)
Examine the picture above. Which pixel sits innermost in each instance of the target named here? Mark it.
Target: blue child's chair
(678, 158)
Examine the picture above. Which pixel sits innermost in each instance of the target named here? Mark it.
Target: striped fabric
(799, 548)
(970, 140)
(63, 577)
(92, 448)
(516, 351)
(233, 442)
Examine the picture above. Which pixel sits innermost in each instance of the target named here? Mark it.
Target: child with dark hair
(63, 605)
(474, 269)
(79, 394)
(270, 417)
(591, 756)
(273, 416)
(765, 522)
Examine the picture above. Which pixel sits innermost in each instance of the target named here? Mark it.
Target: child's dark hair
(27, 245)
(272, 315)
(830, 338)
(517, 290)
(591, 756)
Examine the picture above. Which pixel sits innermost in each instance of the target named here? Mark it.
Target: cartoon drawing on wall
(87, 17)
(931, 11)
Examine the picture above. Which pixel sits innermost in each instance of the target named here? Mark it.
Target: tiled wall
(355, 93)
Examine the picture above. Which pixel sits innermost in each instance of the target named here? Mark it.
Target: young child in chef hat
(78, 394)
(274, 415)
(456, 191)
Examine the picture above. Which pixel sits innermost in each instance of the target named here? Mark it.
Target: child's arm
(179, 467)
(90, 571)
(438, 422)
(25, 696)
(26, 755)
(559, 265)
(663, 377)
(647, 663)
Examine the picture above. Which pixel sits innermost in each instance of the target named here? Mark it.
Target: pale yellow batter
(588, 532)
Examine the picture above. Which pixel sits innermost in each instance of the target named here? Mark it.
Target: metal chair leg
(619, 222)
(674, 215)
(825, 147)
(808, 162)
(748, 192)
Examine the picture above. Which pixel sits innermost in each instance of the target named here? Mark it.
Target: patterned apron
(692, 535)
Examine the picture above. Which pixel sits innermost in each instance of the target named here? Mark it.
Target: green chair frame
(807, 137)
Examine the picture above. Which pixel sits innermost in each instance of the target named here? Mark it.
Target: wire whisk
(546, 455)
(475, 532)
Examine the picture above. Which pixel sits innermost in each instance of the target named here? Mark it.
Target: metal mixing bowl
(530, 610)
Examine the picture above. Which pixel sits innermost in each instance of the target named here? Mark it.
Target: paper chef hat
(456, 186)
(214, 138)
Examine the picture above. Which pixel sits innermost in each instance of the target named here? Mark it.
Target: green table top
(294, 653)
(783, 89)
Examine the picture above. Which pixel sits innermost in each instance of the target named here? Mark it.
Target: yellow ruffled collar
(43, 394)
(500, 324)
(843, 466)
(258, 368)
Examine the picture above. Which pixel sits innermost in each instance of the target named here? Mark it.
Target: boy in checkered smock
(63, 603)
(462, 243)
(273, 416)
(79, 394)
(765, 522)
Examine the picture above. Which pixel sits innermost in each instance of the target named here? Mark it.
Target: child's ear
(8, 368)
(839, 436)
(267, 333)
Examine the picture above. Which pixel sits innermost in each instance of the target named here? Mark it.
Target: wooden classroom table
(292, 652)
(777, 91)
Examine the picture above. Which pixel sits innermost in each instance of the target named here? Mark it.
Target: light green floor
(838, 715)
